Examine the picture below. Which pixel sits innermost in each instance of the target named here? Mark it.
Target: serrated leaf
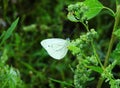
(94, 8)
(96, 69)
(9, 31)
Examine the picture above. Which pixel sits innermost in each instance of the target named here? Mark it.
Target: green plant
(22, 57)
(9, 76)
(84, 48)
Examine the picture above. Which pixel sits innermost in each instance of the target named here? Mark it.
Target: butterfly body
(56, 47)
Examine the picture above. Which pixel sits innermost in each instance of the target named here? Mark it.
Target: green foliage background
(41, 19)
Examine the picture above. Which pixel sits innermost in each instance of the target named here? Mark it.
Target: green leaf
(116, 53)
(72, 18)
(74, 49)
(117, 33)
(82, 11)
(96, 68)
(94, 7)
(9, 31)
(61, 82)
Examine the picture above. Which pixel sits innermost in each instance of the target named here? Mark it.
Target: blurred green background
(42, 19)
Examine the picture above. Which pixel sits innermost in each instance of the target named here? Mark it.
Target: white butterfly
(56, 47)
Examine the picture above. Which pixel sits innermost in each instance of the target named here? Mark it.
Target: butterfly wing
(56, 48)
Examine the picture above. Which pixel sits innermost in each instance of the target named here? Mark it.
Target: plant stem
(94, 49)
(117, 21)
(113, 14)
